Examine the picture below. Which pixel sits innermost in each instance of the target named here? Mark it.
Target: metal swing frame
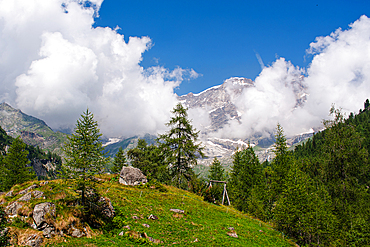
(224, 193)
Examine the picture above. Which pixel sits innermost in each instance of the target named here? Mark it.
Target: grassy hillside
(201, 224)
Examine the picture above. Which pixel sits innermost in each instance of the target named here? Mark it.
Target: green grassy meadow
(201, 224)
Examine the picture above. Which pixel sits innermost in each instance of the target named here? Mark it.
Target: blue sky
(220, 39)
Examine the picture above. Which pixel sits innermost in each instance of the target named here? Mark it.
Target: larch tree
(84, 154)
(282, 161)
(180, 147)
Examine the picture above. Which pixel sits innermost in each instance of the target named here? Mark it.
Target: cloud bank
(54, 64)
(338, 74)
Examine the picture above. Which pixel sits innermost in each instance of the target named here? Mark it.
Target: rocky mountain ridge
(33, 131)
(218, 101)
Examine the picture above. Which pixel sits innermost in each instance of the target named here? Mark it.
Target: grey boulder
(132, 176)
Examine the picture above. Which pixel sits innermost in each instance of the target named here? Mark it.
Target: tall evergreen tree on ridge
(84, 152)
(179, 147)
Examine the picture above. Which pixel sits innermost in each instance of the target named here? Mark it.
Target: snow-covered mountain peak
(239, 81)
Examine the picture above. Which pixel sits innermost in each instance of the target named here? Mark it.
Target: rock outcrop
(106, 207)
(32, 194)
(43, 215)
(13, 208)
(32, 240)
(132, 176)
(22, 192)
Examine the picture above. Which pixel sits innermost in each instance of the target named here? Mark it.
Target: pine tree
(84, 154)
(14, 168)
(119, 161)
(345, 171)
(179, 146)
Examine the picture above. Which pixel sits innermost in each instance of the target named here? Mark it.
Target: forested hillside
(319, 192)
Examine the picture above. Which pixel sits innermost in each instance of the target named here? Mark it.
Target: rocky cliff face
(33, 131)
(218, 101)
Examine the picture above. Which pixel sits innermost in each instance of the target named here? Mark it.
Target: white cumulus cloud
(338, 74)
(54, 64)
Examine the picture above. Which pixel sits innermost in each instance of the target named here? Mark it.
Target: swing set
(224, 193)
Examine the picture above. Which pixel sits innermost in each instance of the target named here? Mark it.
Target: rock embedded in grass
(33, 240)
(106, 207)
(34, 186)
(152, 217)
(179, 211)
(13, 208)
(9, 194)
(36, 195)
(232, 234)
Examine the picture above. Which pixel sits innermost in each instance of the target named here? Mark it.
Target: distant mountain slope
(218, 101)
(33, 131)
(126, 143)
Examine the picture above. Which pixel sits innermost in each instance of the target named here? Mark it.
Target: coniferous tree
(4, 140)
(366, 104)
(245, 175)
(282, 160)
(180, 148)
(84, 154)
(14, 166)
(345, 171)
(216, 171)
(119, 161)
(303, 210)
